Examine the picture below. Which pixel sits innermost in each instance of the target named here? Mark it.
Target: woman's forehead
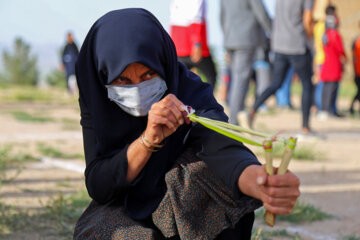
(135, 68)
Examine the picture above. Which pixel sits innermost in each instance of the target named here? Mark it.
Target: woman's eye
(120, 81)
(149, 75)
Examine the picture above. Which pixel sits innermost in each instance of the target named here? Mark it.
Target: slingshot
(236, 132)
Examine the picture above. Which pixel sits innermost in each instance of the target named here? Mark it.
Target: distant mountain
(48, 56)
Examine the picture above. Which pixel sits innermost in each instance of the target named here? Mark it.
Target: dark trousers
(357, 96)
(206, 66)
(328, 95)
(241, 231)
(302, 65)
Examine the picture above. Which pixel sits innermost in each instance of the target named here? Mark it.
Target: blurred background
(42, 25)
(42, 191)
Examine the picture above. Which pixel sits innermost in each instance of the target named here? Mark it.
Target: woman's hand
(164, 118)
(277, 192)
(196, 54)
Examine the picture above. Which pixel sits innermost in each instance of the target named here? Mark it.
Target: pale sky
(44, 23)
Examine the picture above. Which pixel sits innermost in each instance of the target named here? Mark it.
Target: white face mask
(137, 99)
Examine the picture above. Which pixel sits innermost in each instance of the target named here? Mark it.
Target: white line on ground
(305, 232)
(331, 188)
(40, 136)
(63, 164)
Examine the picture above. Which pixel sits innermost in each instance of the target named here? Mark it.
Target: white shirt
(187, 12)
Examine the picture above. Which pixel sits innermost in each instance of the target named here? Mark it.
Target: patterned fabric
(105, 222)
(197, 205)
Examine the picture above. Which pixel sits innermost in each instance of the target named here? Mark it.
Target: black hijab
(117, 39)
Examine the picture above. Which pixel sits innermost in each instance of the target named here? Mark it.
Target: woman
(141, 159)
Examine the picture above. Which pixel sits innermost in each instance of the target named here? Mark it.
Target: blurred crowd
(270, 42)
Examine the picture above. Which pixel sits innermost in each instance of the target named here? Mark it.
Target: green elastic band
(233, 131)
(220, 128)
(292, 143)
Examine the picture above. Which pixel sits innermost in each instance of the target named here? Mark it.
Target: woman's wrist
(149, 144)
(145, 145)
(247, 181)
(152, 139)
(152, 144)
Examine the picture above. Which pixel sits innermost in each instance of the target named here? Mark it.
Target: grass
(56, 219)
(7, 159)
(260, 234)
(4, 161)
(67, 123)
(302, 152)
(12, 219)
(351, 237)
(63, 184)
(16, 94)
(55, 153)
(307, 152)
(26, 117)
(347, 88)
(65, 210)
(23, 157)
(70, 124)
(302, 212)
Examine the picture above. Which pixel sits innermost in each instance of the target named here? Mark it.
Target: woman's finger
(279, 202)
(278, 210)
(175, 105)
(159, 120)
(162, 111)
(281, 192)
(284, 180)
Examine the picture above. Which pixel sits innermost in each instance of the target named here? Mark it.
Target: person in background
(283, 94)
(292, 34)
(322, 8)
(224, 86)
(69, 57)
(262, 73)
(188, 30)
(332, 68)
(244, 23)
(153, 174)
(356, 65)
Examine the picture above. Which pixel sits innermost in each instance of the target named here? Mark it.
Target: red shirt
(333, 48)
(356, 54)
(186, 37)
(188, 26)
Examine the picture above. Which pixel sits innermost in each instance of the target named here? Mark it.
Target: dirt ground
(331, 182)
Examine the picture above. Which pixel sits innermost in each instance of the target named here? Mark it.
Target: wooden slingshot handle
(289, 150)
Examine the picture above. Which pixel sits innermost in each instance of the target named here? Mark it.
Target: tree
(20, 66)
(56, 78)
